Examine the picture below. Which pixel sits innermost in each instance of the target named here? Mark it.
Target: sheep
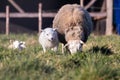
(74, 25)
(48, 38)
(17, 45)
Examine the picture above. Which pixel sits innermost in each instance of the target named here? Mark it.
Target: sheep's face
(50, 34)
(74, 46)
(74, 33)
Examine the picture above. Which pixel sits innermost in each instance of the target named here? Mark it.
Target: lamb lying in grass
(48, 38)
(17, 45)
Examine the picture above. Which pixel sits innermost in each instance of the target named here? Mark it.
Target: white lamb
(17, 45)
(48, 38)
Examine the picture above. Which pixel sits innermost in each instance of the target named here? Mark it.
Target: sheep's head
(74, 36)
(74, 33)
(50, 34)
(74, 46)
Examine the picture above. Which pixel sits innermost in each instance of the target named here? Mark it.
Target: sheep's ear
(81, 42)
(55, 29)
(66, 45)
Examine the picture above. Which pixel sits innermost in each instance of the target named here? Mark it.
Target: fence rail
(44, 14)
(27, 15)
(40, 14)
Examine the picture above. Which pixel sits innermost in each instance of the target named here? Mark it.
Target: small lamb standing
(74, 25)
(48, 38)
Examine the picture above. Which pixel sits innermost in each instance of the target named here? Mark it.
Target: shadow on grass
(103, 50)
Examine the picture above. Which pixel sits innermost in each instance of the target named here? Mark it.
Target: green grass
(100, 60)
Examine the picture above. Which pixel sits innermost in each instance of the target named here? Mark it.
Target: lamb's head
(22, 44)
(18, 45)
(74, 36)
(50, 34)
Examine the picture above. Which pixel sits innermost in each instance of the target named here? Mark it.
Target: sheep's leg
(63, 49)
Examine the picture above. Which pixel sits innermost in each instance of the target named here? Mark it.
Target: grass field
(100, 60)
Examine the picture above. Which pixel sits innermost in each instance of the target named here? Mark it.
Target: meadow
(99, 60)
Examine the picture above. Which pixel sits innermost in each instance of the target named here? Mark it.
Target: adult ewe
(49, 39)
(74, 25)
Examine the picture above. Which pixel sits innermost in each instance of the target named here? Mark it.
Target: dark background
(32, 6)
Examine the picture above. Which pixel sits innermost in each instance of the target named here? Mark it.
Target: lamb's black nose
(52, 39)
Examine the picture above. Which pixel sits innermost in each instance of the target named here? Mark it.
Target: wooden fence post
(109, 20)
(7, 20)
(82, 3)
(40, 17)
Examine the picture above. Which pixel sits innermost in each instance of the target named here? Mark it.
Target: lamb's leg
(44, 49)
(55, 49)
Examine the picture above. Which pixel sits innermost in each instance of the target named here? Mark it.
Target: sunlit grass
(100, 60)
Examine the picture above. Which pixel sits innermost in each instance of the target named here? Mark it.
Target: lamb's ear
(23, 42)
(11, 41)
(41, 30)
